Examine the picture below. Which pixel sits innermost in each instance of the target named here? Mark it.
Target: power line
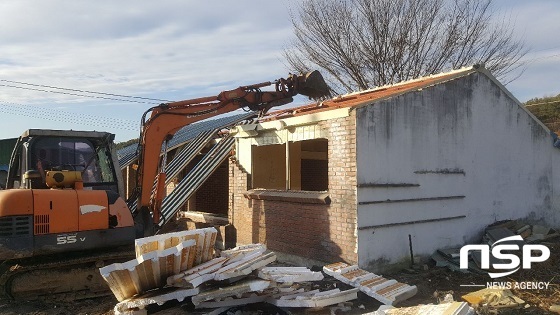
(85, 91)
(74, 94)
(64, 116)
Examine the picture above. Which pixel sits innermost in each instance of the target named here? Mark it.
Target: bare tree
(365, 43)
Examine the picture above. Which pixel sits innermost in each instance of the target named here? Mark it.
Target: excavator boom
(166, 119)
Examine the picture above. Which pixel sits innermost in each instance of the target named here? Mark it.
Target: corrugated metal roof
(128, 154)
(366, 97)
(180, 160)
(195, 178)
(187, 154)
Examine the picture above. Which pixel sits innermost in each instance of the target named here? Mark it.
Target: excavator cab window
(72, 154)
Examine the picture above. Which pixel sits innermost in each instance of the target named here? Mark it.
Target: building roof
(367, 97)
(128, 154)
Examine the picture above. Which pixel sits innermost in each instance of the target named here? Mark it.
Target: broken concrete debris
(230, 265)
(278, 296)
(195, 276)
(157, 258)
(454, 308)
(495, 232)
(386, 291)
(244, 267)
(314, 298)
(204, 238)
(531, 233)
(182, 261)
(146, 272)
(289, 274)
(138, 304)
(231, 301)
(494, 298)
(234, 290)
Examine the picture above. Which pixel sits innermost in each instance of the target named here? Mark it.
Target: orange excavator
(62, 215)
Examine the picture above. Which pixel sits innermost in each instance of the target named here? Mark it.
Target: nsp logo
(504, 253)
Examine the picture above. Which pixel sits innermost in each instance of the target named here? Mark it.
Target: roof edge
(443, 77)
(502, 87)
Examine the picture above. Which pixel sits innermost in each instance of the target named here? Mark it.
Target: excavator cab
(63, 194)
(45, 159)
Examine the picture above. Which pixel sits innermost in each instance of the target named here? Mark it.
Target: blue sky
(174, 50)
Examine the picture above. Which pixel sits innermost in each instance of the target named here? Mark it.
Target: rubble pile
(181, 265)
(527, 234)
(530, 233)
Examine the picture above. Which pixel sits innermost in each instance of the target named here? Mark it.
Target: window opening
(305, 169)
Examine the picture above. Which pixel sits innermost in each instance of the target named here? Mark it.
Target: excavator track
(68, 277)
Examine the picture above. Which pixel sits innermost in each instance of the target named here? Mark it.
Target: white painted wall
(501, 160)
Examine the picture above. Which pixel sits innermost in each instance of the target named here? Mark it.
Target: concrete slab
(289, 274)
(244, 267)
(539, 229)
(455, 308)
(241, 252)
(137, 304)
(334, 268)
(247, 298)
(497, 234)
(534, 238)
(315, 298)
(195, 276)
(204, 238)
(146, 272)
(386, 291)
(234, 290)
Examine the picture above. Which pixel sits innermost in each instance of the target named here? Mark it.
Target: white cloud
(172, 49)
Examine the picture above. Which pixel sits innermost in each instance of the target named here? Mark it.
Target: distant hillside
(125, 144)
(547, 110)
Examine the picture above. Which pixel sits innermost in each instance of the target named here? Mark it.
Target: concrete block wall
(470, 154)
(321, 232)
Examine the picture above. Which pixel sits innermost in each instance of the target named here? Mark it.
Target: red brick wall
(320, 232)
(212, 196)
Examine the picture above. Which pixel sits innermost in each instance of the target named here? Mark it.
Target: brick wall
(212, 196)
(316, 231)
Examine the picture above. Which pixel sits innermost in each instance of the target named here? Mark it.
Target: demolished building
(373, 177)
(370, 176)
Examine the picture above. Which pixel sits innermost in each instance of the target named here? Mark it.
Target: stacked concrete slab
(386, 291)
(289, 274)
(234, 263)
(454, 308)
(204, 238)
(157, 258)
(313, 298)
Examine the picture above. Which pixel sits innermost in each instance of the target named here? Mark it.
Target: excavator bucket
(313, 85)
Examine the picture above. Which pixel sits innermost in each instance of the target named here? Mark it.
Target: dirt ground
(432, 282)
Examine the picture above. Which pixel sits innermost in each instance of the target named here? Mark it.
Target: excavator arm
(166, 119)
